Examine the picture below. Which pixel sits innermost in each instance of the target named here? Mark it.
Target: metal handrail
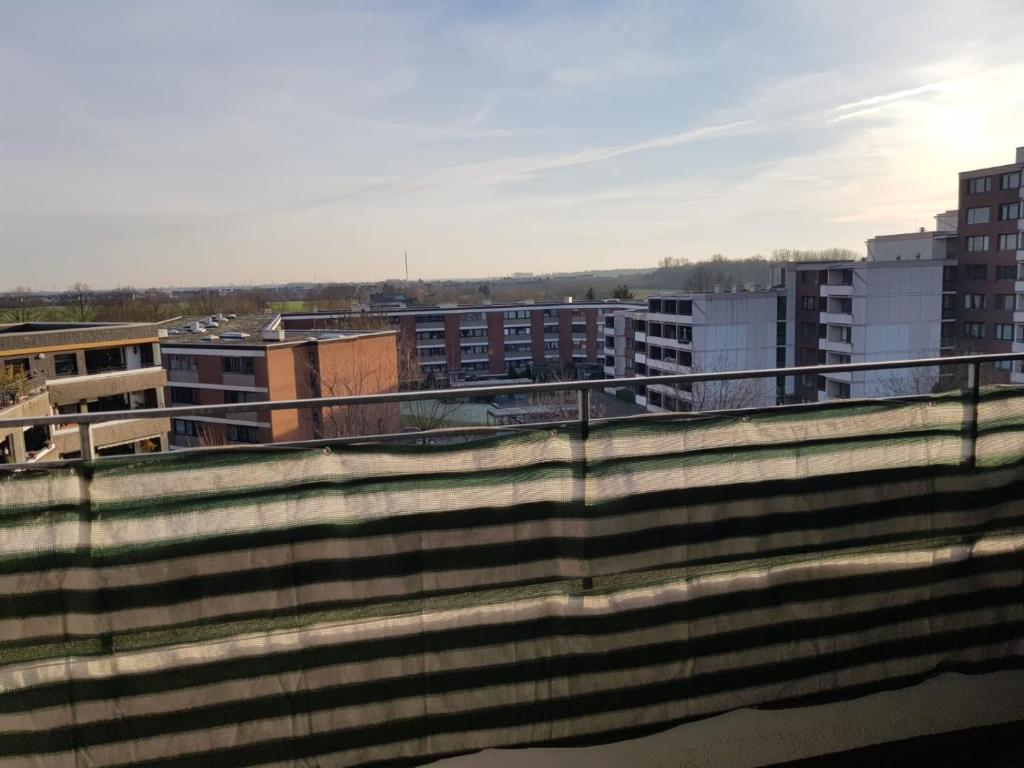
(85, 421)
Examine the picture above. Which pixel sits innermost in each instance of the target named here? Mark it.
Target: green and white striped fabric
(393, 605)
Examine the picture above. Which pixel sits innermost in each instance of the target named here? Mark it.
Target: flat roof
(250, 328)
(442, 308)
(30, 337)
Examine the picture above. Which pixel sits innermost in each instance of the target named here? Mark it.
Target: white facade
(709, 332)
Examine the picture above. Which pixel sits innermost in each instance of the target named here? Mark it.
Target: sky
(192, 143)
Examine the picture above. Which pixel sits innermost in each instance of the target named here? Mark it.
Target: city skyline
(256, 144)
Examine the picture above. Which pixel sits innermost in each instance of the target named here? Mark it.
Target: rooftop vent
(211, 337)
(273, 335)
(234, 335)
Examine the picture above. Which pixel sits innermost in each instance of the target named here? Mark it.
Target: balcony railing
(580, 582)
(21, 388)
(971, 364)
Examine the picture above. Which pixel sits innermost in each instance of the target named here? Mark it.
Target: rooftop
(228, 329)
(38, 336)
(443, 308)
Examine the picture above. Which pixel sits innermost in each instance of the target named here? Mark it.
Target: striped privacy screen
(392, 605)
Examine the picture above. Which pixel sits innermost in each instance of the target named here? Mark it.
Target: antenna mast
(407, 266)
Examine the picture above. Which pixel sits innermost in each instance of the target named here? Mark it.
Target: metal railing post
(583, 411)
(88, 448)
(973, 397)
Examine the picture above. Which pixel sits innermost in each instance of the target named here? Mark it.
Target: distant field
(51, 312)
(288, 306)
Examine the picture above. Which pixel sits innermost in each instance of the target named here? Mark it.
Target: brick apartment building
(989, 249)
(450, 342)
(252, 358)
(53, 367)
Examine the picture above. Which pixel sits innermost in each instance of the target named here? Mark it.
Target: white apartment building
(701, 332)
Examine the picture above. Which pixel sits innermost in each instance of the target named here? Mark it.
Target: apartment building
(449, 342)
(229, 359)
(700, 332)
(990, 248)
(53, 368)
(893, 305)
(888, 308)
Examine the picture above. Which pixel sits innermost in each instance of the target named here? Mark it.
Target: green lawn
(288, 306)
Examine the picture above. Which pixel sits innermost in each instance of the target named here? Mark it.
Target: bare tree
(23, 305)
(79, 299)
(623, 293)
(724, 395)
(907, 382)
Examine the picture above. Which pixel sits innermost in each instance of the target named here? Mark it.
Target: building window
(809, 304)
(1004, 301)
(1009, 211)
(468, 317)
(429, 335)
(184, 427)
(1004, 331)
(65, 365)
(977, 215)
(977, 271)
(237, 365)
(183, 396)
(517, 314)
(101, 360)
(654, 305)
(472, 333)
(974, 330)
(977, 244)
(1006, 272)
(1003, 365)
(181, 362)
(974, 301)
(240, 396)
(242, 434)
(977, 186)
(1010, 180)
(1009, 242)
(518, 330)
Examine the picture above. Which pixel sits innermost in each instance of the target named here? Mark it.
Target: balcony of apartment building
(817, 578)
(150, 433)
(837, 310)
(24, 395)
(667, 309)
(429, 322)
(838, 338)
(839, 282)
(473, 320)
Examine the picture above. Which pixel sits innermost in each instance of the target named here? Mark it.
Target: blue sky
(189, 143)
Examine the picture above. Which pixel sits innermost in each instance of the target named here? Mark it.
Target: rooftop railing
(971, 365)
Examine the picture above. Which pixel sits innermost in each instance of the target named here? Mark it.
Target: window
(974, 330)
(550, 330)
(780, 307)
(239, 396)
(100, 360)
(517, 314)
(1006, 272)
(977, 244)
(948, 275)
(685, 307)
(1003, 365)
(472, 317)
(1009, 211)
(977, 215)
(183, 396)
(241, 434)
(977, 186)
(184, 427)
(65, 365)
(472, 333)
(181, 362)
(237, 365)
(429, 319)
(429, 335)
(1004, 331)
(1010, 180)
(1004, 301)
(579, 328)
(1009, 242)
(809, 304)
(974, 301)
(518, 330)
(977, 271)
(654, 305)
